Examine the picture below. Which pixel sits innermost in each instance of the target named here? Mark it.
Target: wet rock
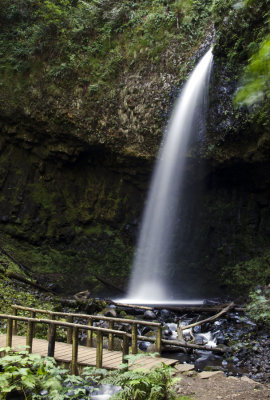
(235, 318)
(197, 329)
(144, 345)
(181, 357)
(94, 305)
(200, 339)
(167, 332)
(220, 338)
(224, 364)
(103, 324)
(150, 315)
(220, 322)
(172, 327)
(145, 330)
(165, 315)
(207, 360)
(110, 312)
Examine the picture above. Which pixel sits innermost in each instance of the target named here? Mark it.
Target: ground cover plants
(36, 377)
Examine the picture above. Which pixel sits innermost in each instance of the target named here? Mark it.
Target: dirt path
(216, 386)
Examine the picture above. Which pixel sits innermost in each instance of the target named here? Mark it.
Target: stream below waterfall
(247, 347)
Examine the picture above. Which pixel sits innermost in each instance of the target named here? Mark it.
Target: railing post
(89, 341)
(125, 348)
(110, 338)
(9, 332)
(99, 349)
(29, 336)
(158, 340)
(74, 369)
(69, 330)
(52, 317)
(134, 340)
(51, 340)
(33, 315)
(15, 323)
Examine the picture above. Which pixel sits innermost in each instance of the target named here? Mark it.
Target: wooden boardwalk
(86, 355)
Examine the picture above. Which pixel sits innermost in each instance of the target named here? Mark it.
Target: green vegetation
(11, 295)
(255, 81)
(241, 27)
(243, 42)
(87, 255)
(256, 78)
(245, 275)
(240, 107)
(138, 384)
(33, 376)
(30, 374)
(90, 41)
(259, 307)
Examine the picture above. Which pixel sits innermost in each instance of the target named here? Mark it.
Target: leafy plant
(259, 307)
(34, 376)
(256, 87)
(138, 384)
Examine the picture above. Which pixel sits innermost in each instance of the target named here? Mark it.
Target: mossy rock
(93, 306)
(122, 314)
(150, 334)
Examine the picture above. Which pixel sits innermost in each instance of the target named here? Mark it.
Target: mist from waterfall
(149, 279)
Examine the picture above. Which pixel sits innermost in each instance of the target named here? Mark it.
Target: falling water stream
(149, 283)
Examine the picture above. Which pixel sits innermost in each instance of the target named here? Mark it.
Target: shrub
(259, 307)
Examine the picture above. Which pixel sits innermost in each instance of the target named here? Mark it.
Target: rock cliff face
(75, 167)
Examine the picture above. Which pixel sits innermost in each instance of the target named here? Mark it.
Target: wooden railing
(100, 332)
(112, 321)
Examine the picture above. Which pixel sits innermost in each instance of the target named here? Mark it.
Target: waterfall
(148, 281)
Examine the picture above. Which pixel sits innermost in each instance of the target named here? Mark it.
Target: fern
(142, 385)
(30, 374)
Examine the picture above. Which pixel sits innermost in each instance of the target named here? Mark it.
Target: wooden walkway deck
(86, 355)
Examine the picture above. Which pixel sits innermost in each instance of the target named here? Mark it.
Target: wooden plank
(112, 356)
(110, 360)
(144, 361)
(149, 364)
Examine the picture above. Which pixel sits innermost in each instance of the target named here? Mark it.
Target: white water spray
(150, 267)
